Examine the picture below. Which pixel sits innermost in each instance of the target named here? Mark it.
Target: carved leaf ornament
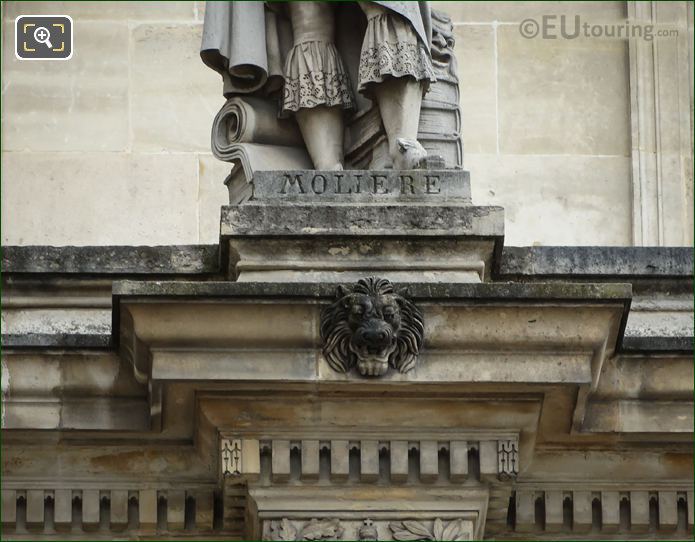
(326, 529)
(417, 530)
(284, 530)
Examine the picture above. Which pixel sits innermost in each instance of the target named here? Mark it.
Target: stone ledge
(650, 344)
(475, 291)
(338, 219)
(56, 340)
(109, 260)
(637, 262)
(515, 262)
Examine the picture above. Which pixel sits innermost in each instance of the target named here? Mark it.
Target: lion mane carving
(371, 326)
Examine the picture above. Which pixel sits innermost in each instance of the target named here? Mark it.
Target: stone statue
(320, 62)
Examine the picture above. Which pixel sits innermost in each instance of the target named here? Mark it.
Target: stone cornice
(567, 262)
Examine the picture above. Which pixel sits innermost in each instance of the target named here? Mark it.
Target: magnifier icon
(42, 35)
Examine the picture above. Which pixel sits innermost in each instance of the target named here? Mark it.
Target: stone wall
(112, 146)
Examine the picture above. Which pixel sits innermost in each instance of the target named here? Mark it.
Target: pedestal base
(341, 226)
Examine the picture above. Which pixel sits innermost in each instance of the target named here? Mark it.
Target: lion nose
(375, 335)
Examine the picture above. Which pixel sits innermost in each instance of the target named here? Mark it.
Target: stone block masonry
(124, 128)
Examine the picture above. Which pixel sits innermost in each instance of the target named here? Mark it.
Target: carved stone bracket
(230, 456)
(507, 459)
(239, 458)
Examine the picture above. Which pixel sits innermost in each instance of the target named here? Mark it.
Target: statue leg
(320, 120)
(399, 102)
(322, 130)
(394, 67)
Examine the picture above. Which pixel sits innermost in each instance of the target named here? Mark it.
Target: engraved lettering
(379, 186)
(431, 183)
(338, 185)
(294, 182)
(407, 184)
(358, 183)
(322, 184)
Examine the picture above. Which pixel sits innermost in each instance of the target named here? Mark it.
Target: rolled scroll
(251, 120)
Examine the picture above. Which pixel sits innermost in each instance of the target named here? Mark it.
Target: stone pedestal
(340, 226)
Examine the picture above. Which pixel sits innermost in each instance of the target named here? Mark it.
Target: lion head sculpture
(370, 326)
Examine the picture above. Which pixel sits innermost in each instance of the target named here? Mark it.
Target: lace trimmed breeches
(315, 74)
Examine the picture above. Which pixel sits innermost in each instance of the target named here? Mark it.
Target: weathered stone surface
(137, 10)
(311, 258)
(648, 416)
(532, 122)
(662, 146)
(101, 103)
(591, 194)
(73, 378)
(659, 320)
(514, 12)
(640, 376)
(597, 262)
(358, 185)
(415, 219)
(488, 291)
(74, 111)
(475, 52)
(661, 314)
(637, 262)
(62, 340)
(657, 344)
(106, 198)
(112, 260)
(212, 195)
(662, 308)
(297, 241)
(37, 326)
(165, 56)
(67, 375)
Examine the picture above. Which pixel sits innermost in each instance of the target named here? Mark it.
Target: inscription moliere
(359, 185)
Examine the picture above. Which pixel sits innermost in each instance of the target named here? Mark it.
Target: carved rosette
(372, 327)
